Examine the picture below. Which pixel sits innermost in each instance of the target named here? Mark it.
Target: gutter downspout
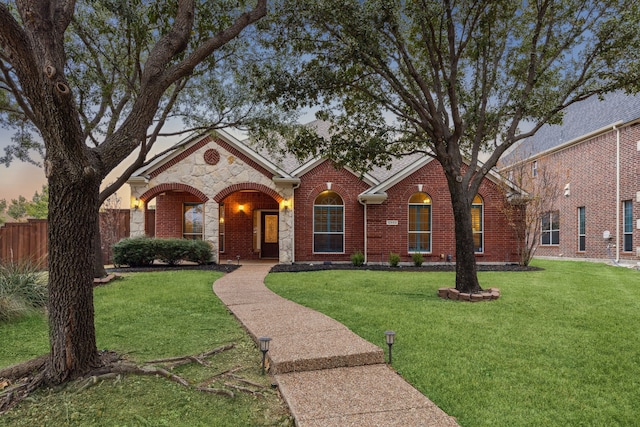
(366, 240)
(617, 192)
(293, 222)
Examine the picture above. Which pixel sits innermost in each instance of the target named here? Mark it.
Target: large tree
(107, 44)
(446, 78)
(42, 45)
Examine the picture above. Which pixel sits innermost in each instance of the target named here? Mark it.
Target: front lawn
(560, 348)
(146, 316)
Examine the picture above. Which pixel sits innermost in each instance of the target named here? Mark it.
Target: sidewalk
(328, 375)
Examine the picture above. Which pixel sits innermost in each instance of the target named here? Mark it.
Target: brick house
(595, 157)
(249, 205)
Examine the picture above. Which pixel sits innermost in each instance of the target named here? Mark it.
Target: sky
(24, 179)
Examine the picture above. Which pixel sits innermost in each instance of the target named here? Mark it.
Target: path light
(264, 347)
(391, 336)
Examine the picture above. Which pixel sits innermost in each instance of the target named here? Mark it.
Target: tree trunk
(73, 216)
(98, 266)
(466, 270)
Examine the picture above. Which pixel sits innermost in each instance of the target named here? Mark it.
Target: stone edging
(452, 293)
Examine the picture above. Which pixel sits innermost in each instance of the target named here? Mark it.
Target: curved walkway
(328, 375)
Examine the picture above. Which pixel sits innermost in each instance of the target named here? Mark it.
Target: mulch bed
(292, 268)
(224, 268)
(296, 267)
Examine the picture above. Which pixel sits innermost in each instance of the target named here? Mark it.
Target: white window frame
(317, 233)
(194, 236)
(428, 233)
(481, 232)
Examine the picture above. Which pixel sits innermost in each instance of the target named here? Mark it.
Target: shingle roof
(579, 119)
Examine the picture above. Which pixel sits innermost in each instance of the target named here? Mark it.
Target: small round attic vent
(211, 156)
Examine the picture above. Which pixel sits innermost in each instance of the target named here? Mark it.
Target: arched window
(328, 223)
(420, 223)
(477, 223)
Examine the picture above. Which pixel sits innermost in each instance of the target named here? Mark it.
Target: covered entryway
(249, 226)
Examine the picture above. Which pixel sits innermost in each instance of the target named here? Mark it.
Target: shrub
(23, 288)
(418, 259)
(135, 251)
(357, 259)
(199, 251)
(140, 251)
(171, 250)
(394, 259)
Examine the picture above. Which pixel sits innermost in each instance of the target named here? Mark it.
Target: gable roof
(179, 149)
(581, 119)
(287, 168)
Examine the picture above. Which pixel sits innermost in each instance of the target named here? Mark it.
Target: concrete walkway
(328, 375)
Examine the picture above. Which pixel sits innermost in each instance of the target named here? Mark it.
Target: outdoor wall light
(390, 336)
(264, 348)
(136, 204)
(240, 208)
(286, 204)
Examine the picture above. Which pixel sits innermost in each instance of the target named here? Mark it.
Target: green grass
(146, 316)
(560, 348)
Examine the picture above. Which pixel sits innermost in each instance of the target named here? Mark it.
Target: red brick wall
(169, 217)
(590, 169)
(348, 186)
(499, 241)
(239, 225)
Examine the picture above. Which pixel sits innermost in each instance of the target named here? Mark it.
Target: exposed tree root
(18, 381)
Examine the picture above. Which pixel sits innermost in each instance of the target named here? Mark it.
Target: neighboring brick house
(247, 205)
(595, 156)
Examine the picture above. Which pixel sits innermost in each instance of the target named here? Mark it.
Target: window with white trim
(582, 229)
(221, 227)
(193, 225)
(420, 223)
(328, 223)
(477, 223)
(627, 226)
(550, 228)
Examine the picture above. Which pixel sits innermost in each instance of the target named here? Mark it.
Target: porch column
(212, 227)
(137, 215)
(286, 226)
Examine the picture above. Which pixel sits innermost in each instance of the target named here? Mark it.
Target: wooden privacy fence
(28, 240)
(21, 241)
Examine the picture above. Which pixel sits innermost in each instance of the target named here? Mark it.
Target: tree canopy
(450, 79)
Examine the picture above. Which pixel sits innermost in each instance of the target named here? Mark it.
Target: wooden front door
(269, 247)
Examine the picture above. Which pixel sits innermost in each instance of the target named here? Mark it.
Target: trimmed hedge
(141, 251)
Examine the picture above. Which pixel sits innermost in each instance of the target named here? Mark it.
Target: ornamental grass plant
(559, 348)
(23, 289)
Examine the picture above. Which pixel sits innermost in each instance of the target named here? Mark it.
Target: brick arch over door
(248, 186)
(173, 186)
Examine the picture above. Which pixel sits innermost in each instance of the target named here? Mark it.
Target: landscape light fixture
(391, 336)
(264, 347)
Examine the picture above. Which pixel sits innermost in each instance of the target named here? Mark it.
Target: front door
(269, 235)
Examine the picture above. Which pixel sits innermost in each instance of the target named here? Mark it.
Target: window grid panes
(193, 225)
(582, 229)
(420, 223)
(221, 229)
(477, 223)
(628, 225)
(550, 228)
(328, 223)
